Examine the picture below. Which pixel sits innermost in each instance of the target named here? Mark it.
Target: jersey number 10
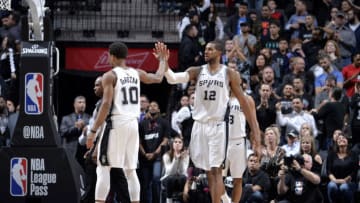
(131, 95)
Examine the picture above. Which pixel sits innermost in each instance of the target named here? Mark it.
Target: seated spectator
(196, 189)
(292, 146)
(176, 163)
(307, 146)
(298, 182)
(256, 182)
(306, 130)
(271, 157)
(342, 167)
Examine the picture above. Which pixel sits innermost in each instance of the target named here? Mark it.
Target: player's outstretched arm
(182, 77)
(250, 114)
(162, 53)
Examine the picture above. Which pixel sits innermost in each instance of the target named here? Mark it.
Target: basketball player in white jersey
(121, 90)
(207, 144)
(236, 150)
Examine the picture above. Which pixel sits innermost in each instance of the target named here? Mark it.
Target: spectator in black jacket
(265, 107)
(333, 114)
(256, 182)
(154, 132)
(189, 51)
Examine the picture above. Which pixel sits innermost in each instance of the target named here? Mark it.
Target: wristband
(93, 131)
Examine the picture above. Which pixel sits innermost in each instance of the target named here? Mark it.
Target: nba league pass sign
(39, 181)
(34, 93)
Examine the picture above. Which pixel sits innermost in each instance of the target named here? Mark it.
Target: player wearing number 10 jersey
(121, 87)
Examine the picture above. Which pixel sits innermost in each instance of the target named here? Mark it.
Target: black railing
(112, 18)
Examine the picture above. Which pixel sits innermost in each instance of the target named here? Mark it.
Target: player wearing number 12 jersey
(121, 87)
(207, 144)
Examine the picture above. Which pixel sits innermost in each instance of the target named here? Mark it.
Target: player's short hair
(119, 50)
(219, 45)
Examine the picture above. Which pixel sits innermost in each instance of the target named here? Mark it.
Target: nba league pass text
(39, 179)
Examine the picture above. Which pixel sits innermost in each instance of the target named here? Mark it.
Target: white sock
(169, 200)
(225, 198)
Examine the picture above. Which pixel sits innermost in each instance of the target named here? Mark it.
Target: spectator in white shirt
(295, 119)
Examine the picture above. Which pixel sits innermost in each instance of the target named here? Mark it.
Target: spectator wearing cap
(329, 69)
(296, 118)
(232, 26)
(333, 114)
(344, 36)
(351, 73)
(246, 41)
(292, 146)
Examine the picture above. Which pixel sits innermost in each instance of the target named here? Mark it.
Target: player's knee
(133, 184)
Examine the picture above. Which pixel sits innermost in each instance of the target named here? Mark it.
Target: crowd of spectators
(299, 60)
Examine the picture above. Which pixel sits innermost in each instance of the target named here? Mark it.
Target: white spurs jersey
(211, 95)
(126, 94)
(237, 120)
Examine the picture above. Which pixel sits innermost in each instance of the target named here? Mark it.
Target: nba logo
(34, 93)
(18, 176)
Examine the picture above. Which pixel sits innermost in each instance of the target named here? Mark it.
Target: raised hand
(161, 51)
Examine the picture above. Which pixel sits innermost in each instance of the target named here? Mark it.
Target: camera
(288, 160)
